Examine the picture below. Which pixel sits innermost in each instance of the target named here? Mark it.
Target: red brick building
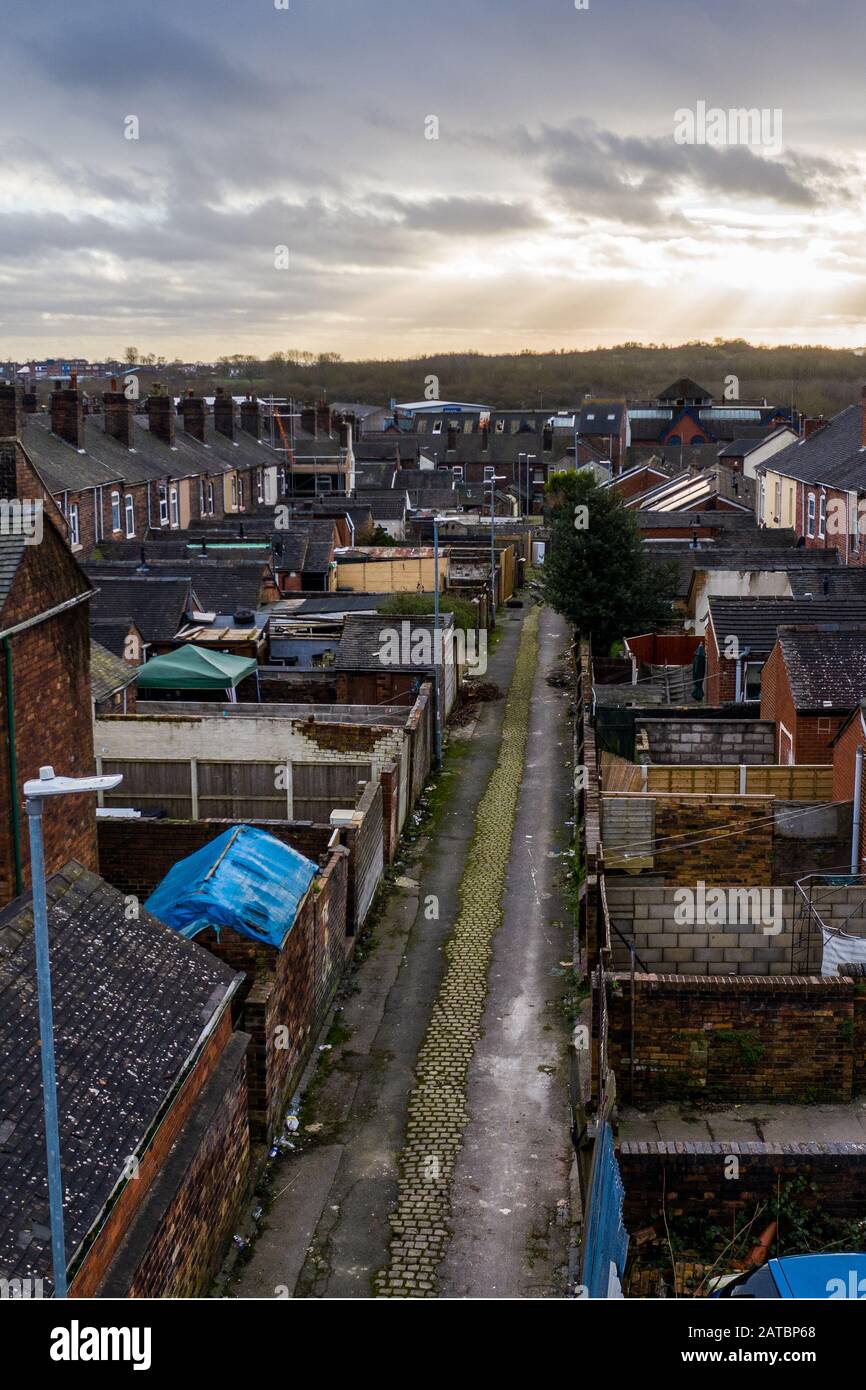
(814, 678)
(850, 740)
(45, 703)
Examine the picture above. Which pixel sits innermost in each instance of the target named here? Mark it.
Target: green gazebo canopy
(194, 668)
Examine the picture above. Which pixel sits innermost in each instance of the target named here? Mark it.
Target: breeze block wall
(723, 1040)
(709, 740)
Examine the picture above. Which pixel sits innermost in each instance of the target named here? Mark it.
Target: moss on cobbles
(437, 1112)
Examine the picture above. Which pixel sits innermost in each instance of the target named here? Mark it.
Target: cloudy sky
(555, 208)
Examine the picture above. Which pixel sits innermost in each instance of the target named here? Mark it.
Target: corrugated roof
(244, 880)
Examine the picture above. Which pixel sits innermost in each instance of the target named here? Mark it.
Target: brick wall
(128, 1206)
(686, 850)
(51, 698)
(692, 1179)
(177, 1244)
(709, 740)
(844, 771)
(288, 992)
(717, 1040)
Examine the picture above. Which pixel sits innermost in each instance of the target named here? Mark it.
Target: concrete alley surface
(509, 1194)
(327, 1231)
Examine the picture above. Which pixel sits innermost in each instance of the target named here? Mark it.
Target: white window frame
(747, 698)
(129, 515)
(810, 516)
(241, 495)
(457, 470)
(260, 484)
(162, 496)
(234, 492)
(174, 508)
(822, 516)
(73, 519)
(210, 499)
(116, 512)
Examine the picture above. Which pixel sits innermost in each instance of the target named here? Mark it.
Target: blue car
(802, 1276)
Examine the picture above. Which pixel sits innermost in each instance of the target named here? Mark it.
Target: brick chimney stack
(193, 411)
(251, 417)
(323, 417)
(67, 413)
(161, 415)
(310, 420)
(224, 413)
(11, 410)
(118, 415)
(813, 424)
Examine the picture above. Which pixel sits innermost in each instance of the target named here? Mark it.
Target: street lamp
(491, 482)
(36, 793)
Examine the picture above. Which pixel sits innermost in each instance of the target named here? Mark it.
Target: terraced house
(117, 474)
(818, 486)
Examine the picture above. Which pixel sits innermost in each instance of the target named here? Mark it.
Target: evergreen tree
(597, 572)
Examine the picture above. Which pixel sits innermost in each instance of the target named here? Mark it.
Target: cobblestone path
(437, 1105)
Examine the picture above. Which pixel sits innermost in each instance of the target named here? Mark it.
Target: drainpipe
(13, 768)
(855, 832)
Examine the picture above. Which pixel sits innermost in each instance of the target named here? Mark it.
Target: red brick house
(45, 701)
(827, 470)
(849, 742)
(814, 678)
(742, 632)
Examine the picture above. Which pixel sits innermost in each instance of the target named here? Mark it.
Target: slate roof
(826, 665)
(841, 579)
(361, 642)
(11, 554)
(832, 455)
(741, 559)
(219, 587)
(601, 417)
(156, 605)
(391, 508)
(755, 622)
(108, 673)
(132, 1001)
(685, 389)
(107, 462)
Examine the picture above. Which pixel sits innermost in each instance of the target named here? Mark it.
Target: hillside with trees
(817, 379)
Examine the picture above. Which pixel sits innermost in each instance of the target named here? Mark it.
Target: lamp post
(437, 647)
(491, 482)
(36, 792)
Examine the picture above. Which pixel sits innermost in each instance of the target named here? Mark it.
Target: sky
(385, 178)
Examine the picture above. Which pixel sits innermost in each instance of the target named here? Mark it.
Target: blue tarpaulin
(244, 879)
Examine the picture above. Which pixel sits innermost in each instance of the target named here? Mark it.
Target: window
(210, 499)
(202, 497)
(421, 427)
(810, 519)
(822, 516)
(115, 511)
(234, 492)
(240, 494)
(457, 470)
(538, 475)
(260, 484)
(468, 425)
(489, 472)
(855, 521)
(500, 426)
(174, 508)
(281, 478)
(162, 493)
(777, 505)
(762, 498)
(129, 509)
(437, 426)
(752, 681)
(74, 532)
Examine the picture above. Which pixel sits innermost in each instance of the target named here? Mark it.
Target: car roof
(809, 1276)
